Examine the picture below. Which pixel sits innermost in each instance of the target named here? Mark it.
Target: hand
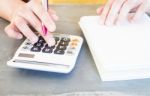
(117, 11)
(29, 15)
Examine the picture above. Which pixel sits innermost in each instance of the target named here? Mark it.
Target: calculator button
(73, 45)
(62, 43)
(61, 52)
(28, 43)
(41, 40)
(36, 49)
(75, 40)
(60, 47)
(50, 47)
(25, 47)
(65, 39)
(70, 52)
(39, 44)
(47, 50)
(56, 39)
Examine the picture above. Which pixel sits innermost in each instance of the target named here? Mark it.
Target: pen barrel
(45, 4)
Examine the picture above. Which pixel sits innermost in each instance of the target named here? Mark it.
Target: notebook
(120, 52)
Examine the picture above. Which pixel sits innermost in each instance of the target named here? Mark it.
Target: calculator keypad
(63, 45)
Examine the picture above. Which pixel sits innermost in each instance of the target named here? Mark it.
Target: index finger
(43, 15)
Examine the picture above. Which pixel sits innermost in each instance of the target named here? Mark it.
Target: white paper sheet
(117, 48)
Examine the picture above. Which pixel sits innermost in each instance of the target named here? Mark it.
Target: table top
(84, 78)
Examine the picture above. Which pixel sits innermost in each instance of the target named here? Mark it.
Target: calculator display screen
(26, 55)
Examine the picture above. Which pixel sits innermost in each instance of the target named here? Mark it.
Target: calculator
(60, 58)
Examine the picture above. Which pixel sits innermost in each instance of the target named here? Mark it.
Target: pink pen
(45, 5)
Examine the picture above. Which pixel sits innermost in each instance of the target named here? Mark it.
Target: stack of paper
(120, 52)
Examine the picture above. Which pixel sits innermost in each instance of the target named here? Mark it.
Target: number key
(65, 39)
(50, 47)
(62, 43)
(60, 47)
(47, 50)
(41, 40)
(36, 49)
(39, 45)
(61, 52)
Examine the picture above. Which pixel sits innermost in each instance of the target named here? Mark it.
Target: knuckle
(37, 27)
(31, 3)
(18, 21)
(119, 2)
(23, 12)
(129, 3)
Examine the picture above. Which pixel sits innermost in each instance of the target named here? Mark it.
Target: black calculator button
(28, 43)
(60, 47)
(62, 43)
(25, 47)
(47, 50)
(61, 52)
(65, 39)
(56, 39)
(39, 44)
(41, 40)
(51, 47)
(70, 52)
(36, 49)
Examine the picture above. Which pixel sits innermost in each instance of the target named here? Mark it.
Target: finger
(43, 15)
(49, 39)
(141, 10)
(53, 15)
(123, 16)
(136, 6)
(100, 10)
(12, 32)
(106, 11)
(32, 19)
(24, 28)
(113, 13)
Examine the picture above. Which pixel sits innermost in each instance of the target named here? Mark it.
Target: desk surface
(16, 82)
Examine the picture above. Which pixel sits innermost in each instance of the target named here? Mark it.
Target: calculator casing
(50, 62)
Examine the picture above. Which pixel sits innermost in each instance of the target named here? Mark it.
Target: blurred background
(77, 1)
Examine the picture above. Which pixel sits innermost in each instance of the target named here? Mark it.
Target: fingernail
(52, 27)
(55, 17)
(34, 39)
(19, 36)
(51, 41)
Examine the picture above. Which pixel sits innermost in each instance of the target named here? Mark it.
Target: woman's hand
(29, 15)
(117, 11)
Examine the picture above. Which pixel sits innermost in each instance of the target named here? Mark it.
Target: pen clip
(44, 29)
(45, 4)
